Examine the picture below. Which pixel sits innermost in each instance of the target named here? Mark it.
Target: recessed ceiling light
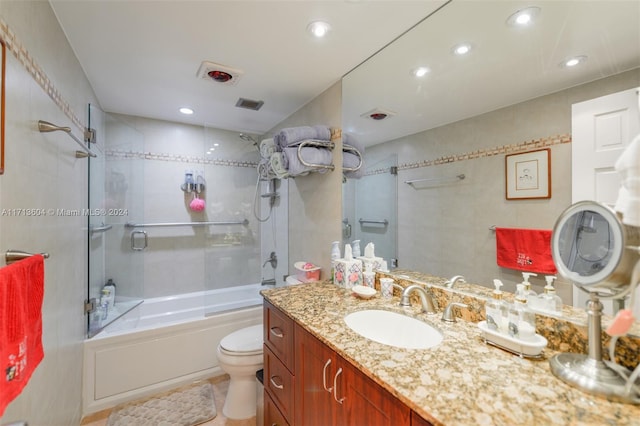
(319, 29)
(524, 17)
(462, 49)
(420, 71)
(186, 111)
(573, 61)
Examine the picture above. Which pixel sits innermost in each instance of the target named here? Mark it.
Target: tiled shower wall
(183, 259)
(41, 172)
(444, 229)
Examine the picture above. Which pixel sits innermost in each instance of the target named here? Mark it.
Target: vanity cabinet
(314, 386)
(333, 392)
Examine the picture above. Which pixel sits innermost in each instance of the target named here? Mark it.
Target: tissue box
(306, 272)
(347, 273)
(375, 262)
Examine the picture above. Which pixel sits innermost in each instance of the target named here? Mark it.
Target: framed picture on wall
(528, 175)
(3, 57)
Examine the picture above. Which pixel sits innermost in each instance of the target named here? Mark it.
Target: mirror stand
(589, 372)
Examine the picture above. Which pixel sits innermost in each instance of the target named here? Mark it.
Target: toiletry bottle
(104, 303)
(549, 301)
(497, 309)
(522, 321)
(335, 254)
(356, 248)
(530, 295)
(369, 276)
(112, 290)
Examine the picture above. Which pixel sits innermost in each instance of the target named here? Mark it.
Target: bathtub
(163, 343)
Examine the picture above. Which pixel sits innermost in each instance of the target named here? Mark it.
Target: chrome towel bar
(436, 180)
(384, 222)
(158, 225)
(89, 135)
(12, 256)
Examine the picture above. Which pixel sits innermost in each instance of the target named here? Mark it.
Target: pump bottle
(497, 310)
(549, 301)
(522, 321)
(530, 295)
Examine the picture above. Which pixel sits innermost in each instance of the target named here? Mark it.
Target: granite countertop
(462, 381)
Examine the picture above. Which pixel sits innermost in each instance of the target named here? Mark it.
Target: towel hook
(12, 256)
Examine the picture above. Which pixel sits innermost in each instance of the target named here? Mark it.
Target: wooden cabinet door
(314, 370)
(367, 403)
(416, 420)
(272, 416)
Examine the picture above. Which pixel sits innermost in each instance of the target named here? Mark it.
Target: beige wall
(42, 172)
(315, 200)
(444, 230)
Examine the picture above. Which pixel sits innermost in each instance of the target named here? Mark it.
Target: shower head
(248, 138)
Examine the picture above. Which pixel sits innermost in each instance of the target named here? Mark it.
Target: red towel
(21, 294)
(525, 250)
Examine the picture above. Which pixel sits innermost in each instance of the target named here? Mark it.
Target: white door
(601, 129)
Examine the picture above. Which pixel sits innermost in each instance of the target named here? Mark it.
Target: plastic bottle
(530, 295)
(497, 310)
(335, 254)
(104, 303)
(522, 321)
(112, 289)
(549, 301)
(356, 248)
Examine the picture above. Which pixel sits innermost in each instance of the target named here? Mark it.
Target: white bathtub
(163, 343)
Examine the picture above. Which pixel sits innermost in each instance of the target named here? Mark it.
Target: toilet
(240, 356)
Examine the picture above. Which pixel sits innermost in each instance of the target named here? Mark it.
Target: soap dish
(363, 291)
(524, 348)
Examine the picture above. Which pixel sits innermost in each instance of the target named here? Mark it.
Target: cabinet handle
(335, 386)
(324, 376)
(276, 384)
(277, 331)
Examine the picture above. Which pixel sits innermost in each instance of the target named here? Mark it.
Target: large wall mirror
(449, 115)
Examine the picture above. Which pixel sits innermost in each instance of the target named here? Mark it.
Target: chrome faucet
(448, 315)
(452, 281)
(428, 304)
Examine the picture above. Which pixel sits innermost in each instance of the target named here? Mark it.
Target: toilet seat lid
(245, 340)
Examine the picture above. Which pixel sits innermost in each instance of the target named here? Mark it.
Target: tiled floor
(220, 385)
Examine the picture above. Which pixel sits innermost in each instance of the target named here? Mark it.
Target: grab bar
(89, 135)
(158, 225)
(97, 229)
(12, 256)
(384, 222)
(436, 180)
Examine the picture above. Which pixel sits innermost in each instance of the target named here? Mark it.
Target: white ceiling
(507, 65)
(141, 57)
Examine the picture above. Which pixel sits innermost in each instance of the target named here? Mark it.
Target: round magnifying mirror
(588, 243)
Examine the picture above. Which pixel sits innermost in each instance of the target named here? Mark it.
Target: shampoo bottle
(549, 301)
(112, 292)
(497, 310)
(530, 295)
(522, 321)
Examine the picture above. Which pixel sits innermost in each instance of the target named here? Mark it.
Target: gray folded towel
(292, 136)
(321, 156)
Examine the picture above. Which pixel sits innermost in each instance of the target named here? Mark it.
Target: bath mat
(186, 406)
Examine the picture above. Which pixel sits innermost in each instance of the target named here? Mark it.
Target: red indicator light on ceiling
(378, 116)
(220, 76)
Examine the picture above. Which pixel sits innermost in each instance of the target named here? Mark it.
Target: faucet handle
(447, 314)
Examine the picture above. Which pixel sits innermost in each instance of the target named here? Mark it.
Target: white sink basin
(394, 329)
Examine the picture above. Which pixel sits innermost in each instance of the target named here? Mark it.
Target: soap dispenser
(549, 301)
(497, 310)
(522, 321)
(530, 295)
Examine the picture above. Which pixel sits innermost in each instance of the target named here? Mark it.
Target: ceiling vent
(378, 114)
(249, 104)
(220, 74)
